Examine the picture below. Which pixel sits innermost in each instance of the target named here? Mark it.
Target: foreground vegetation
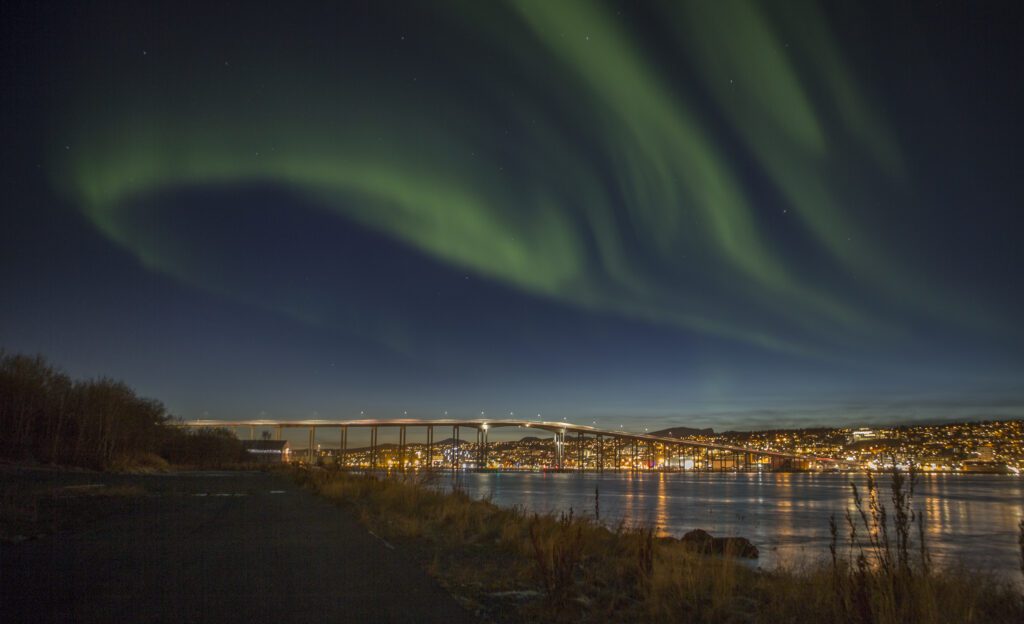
(513, 566)
(47, 417)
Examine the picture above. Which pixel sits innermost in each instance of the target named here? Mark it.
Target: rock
(700, 541)
(735, 547)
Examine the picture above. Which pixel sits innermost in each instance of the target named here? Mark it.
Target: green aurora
(571, 159)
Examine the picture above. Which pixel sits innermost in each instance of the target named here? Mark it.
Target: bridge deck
(491, 423)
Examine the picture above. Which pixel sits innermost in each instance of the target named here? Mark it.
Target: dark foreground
(217, 547)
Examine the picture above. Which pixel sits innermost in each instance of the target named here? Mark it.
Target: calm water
(972, 518)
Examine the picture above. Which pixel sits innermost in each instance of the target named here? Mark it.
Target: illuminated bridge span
(589, 449)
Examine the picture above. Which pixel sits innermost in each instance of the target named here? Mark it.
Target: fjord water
(968, 518)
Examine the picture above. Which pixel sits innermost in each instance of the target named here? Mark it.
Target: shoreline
(649, 578)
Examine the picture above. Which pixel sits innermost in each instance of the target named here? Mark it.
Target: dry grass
(513, 566)
(140, 462)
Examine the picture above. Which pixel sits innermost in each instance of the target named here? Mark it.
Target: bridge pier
(485, 448)
(401, 448)
(343, 452)
(481, 451)
(312, 442)
(430, 446)
(455, 448)
(373, 447)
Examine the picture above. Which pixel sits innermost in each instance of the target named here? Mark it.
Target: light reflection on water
(968, 518)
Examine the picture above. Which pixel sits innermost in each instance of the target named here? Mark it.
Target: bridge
(576, 447)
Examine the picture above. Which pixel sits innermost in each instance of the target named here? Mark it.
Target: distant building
(986, 453)
(265, 451)
(859, 435)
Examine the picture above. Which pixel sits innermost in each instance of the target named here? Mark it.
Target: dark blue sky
(735, 215)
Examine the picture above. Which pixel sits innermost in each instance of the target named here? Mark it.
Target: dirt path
(219, 547)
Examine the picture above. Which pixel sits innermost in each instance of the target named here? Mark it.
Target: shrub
(99, 423)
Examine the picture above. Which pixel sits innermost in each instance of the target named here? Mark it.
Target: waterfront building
(265, 451)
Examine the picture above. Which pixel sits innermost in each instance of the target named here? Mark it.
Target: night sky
(725, 214)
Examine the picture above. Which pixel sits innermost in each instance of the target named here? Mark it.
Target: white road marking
(383, 541)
